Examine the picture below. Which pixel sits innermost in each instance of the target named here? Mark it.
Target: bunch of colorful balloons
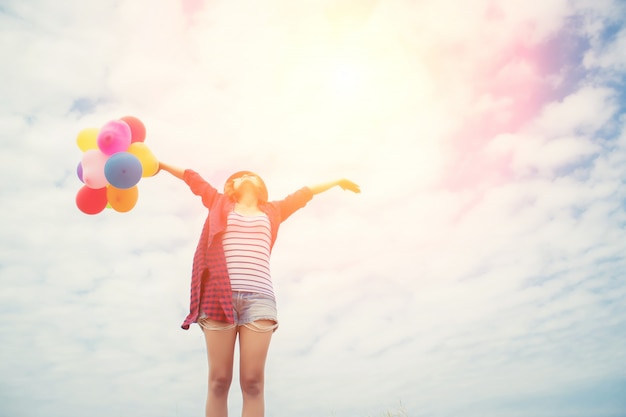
(114, 159)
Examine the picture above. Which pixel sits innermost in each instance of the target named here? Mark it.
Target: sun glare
(346, 78)
(360, 92)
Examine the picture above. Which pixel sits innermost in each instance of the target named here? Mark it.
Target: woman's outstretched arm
(175, 171)
(300, 198)
(196, 183)
(343, 183)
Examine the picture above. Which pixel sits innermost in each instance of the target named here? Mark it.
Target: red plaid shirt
(210, 284)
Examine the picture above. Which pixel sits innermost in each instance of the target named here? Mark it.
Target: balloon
(90, 200)
(87, 139)
(79, 172)
(114, 137)
(122, 200)
(137, 128)
(149, 162)
(93, 163)
(123, 170)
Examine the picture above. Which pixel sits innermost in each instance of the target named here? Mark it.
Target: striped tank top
(246, 244)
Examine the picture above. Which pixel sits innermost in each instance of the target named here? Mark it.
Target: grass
(399, 412)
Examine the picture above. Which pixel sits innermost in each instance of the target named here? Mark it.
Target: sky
(479, 273)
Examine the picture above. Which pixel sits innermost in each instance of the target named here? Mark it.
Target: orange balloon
(122, 200)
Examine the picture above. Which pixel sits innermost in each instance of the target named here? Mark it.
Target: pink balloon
(115, 136)
(93, 163)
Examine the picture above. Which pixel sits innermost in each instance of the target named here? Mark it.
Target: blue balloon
(123, 170)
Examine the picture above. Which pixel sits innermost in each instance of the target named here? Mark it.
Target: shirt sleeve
(200, 187)
(294, 202)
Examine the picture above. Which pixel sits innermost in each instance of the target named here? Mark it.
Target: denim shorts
(248, 307)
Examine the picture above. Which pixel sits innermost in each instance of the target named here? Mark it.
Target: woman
(231, 287)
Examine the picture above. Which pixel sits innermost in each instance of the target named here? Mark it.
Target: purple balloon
(79, 172)
(123, 170)
(115, 136)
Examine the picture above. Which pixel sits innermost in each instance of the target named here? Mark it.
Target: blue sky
(480, 272)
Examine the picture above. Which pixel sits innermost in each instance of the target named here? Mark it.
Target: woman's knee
(252, 385)
(219, 384)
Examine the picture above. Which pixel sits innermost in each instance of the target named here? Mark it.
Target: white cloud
(590, 108)
(501, 290)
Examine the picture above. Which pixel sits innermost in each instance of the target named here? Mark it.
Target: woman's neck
(247, 207)
(248, 200)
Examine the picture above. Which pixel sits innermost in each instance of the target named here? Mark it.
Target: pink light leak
(191, 7)
(514, 86)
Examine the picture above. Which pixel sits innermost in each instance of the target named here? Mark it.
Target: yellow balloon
(87, 139)
(122, 200)
(149, 162)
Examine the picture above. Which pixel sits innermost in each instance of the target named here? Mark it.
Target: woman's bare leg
(254, 343)
(220, 346)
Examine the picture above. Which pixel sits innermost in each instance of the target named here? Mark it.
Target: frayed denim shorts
(248, 308)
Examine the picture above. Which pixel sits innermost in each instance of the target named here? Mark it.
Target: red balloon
(91, 200)
(137, 128)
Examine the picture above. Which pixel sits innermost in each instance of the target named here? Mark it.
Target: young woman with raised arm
(231, 286)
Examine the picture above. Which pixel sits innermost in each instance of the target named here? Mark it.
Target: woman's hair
(229, 189)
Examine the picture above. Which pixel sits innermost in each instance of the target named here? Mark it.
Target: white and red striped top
(247, 242)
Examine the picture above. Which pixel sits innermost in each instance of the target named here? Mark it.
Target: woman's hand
(175, 171)
(348, 185)
(343, 183)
